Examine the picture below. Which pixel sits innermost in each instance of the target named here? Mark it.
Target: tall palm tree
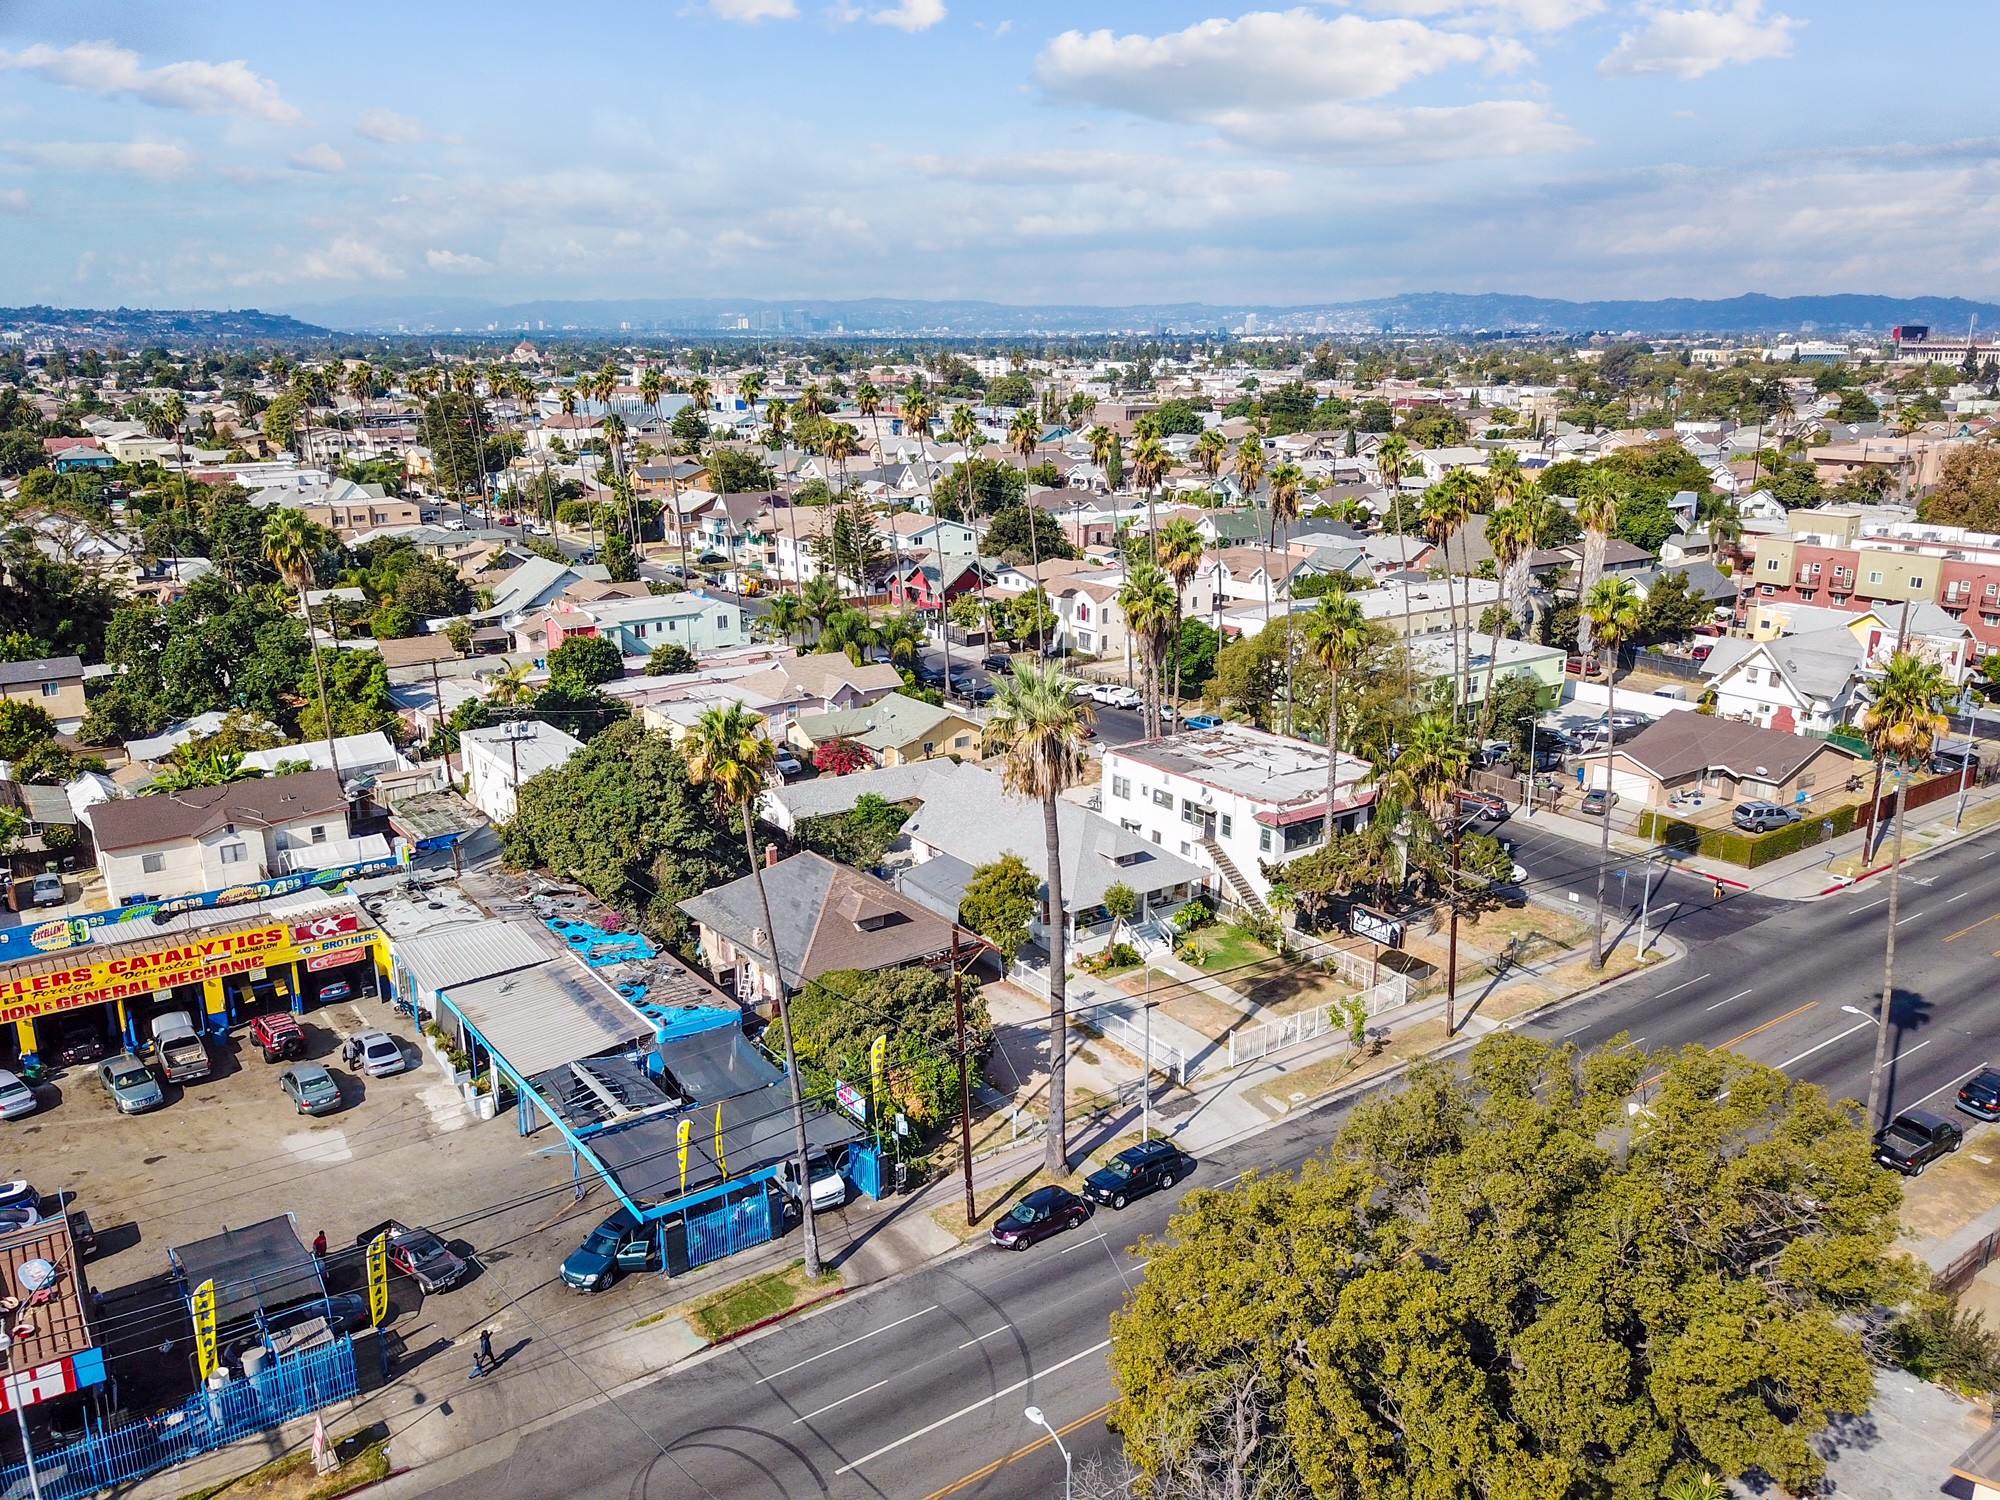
(1287, 480)
(1037, 728)
(1614, 609)
(1148, 603)
(1392, 456)
(727, 752)
(174, 412)
(1180, 550)
(1902, 724)
(360, 383)
(1102, 440)
(1722, 522)
(1511, 534)
(1249, 468)
(749, 386)
(919, 412)
(1210, 449)
(1339, 638)
(787, 616)
(1597, 514)
(820, 600)
(1149, 467)
(292, 545)
(1427, 775)
(1446, 507)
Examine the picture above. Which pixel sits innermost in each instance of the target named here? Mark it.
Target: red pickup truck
(279, 1037)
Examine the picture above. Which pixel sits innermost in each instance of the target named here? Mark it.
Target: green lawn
(736, 1308)
(1226, 947)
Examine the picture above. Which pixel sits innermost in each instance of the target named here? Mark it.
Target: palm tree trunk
(319, 673)
(1332, 750)
(1887, 1006)
(799, 1145)
(1451, 949)
(1178, 622)
(1604, 846)
(1057, 1159)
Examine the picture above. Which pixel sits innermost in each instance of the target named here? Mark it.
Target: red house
(925, 585)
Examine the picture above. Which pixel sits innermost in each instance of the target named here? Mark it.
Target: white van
(1679, 695)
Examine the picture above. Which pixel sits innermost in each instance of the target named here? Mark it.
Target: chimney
(770, 855)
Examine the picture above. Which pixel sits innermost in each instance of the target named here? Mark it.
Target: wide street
(918, 1388)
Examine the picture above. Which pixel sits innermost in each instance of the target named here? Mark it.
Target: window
(1875, 576)
(234, 854)
(319, 833)
(1225, 825)
(930, 747)
(1162, 797)
(1770, 565)
(152, 864)
(1121, 788)
(1264, 840)
(51, 689)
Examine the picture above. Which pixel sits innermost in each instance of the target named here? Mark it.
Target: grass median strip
(365, 1461)
(747, 1303)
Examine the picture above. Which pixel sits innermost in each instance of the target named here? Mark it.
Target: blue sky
(282, 155)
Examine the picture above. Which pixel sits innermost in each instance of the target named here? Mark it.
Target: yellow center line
(1000, 1463)
(1760, 1030)
(1980, 923)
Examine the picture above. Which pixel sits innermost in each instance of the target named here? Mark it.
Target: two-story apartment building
(637, 626)
(54, 684)
(214, 837)
(1887, 563)
(1232, 799)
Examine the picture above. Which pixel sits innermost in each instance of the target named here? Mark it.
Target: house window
(1162, 797)
(51, 689)
(152, 864)
(1875, 576)
(319, 833)
(1121, 788)
(1770, 565)
(1226, 825)
(1264, 840)
(233, 854)
(1750, 675)
(930, 747)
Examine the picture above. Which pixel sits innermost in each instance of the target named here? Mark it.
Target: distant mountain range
(1415, 313)
(1451, 313)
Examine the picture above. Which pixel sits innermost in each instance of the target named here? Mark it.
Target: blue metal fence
(728, 1227)
(104, 1457)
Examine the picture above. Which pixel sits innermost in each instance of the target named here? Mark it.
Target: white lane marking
(848, 1345)
(966, 1411)
(841, 1402)
(1952, 1085)
(985, 1336)
(1856, 911)
(1681, 986)
(1858, 1026)
(1737, 996)
(1081, 1243)
(1959, 897)
(1902, 921)
(1914, 1050)
(1989, 853)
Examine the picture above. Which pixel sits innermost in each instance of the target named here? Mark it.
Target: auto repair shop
(223, 963)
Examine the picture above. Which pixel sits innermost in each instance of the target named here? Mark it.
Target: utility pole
(1645, 897)
(1146, 1072)
(964, 1079)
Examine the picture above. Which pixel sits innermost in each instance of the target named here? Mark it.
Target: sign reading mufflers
(189, 961)
(1377, 928)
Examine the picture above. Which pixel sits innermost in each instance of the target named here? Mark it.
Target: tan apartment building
(54, 684)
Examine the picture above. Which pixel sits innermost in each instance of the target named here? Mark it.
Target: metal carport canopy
(543, 1017)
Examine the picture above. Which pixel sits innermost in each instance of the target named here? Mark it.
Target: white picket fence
(1254, 1043)
(1131, 1034)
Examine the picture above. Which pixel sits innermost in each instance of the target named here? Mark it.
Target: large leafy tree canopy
(836, 1018)
(1505, 1284)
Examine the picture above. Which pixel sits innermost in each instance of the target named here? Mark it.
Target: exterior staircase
(1241, 891)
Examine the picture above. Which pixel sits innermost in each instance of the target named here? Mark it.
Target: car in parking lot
(381, 1054)
(1914, 1139)
(1136, 1171)
(72, 1041)
(786, 764)
(420, 1254)
(1598, 802)
(310, 1088)
(278, 1036)
(620, 1243)
(1761, 817)
(47, 890)
(131, 1084)
(1979, 1095)
(1044, 1212)
(1202, 721)
(16, 1098)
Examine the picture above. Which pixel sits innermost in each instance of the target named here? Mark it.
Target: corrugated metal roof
(466, 952)
(543, 1017)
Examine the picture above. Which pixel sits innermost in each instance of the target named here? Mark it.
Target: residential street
(920, 1385)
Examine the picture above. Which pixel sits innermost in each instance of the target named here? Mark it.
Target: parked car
(1950, 760)
(47, 890)
(829, 1188)
(1761, 817)
(963, 683)
(620, 1243)
(978, 693)
(458, 523)
(420, 1254)
(340, 989)
(311, 1089)
(1202, 721)
(1914, 1139)
(1001, 664)
(1597, 802)
(131, 1084)
(1702, 652)
(1119, 696)
(279, 1036)
(77, 1040)
(381, 1054)
(786, 764)
(1679, 694)
(536, 528)
(1487, 805)
(1979, 1096)
(1045, 1211)
(1136, 1171)
(16, 1098)
(177, 1047)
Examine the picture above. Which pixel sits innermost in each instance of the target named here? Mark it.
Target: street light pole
(1033, 1414)
(1645, 896)
(21, 1415)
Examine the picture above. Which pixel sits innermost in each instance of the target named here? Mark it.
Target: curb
(775, 1318)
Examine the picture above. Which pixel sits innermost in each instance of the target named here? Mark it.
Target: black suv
(1137, 1171)
(1980, 1096)
(1915, 1139)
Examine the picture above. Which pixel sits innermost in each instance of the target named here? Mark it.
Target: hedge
(1747, 849)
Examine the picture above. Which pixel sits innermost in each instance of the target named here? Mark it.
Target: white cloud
(1689, 43)
(388, 127)
(455, 263)
(1526, 15)
(1494, 128)
(1030, 167)
(319, 158)
(15, 201)
(750, 12)
(346, 259)
(201, 88)
(910, 15)
(145, 158)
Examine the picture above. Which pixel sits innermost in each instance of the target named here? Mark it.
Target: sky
(284, 156)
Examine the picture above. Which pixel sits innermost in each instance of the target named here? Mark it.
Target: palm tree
(727, 752)
(787, 616)
(1249, 468)
(1149, 604)
(1597, 514)
(749, 386)
(1037, 728)
(509, 685)
(820, 600)
(1286, 481)
(1102, 440)
(1180, 549)
(360, 383)
(1339, 637)
(1614, 609)
(1902, 724)
(1428, 774)
(1511, 533)
(291, 545)
(174, 412)
(1446, 507)
(1149, 467)
(1723, 523)
(1210, 449)
(203, 768)
(1391, 454)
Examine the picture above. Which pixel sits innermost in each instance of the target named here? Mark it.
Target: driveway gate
(735, 1223)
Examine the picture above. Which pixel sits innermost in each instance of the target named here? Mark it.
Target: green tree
(1491, 1285)
(1339, 637)
(23, 725)
(621, 563)
(586, 661)
(1613, 611)
(837, 1018)
(1968, 489)
(999, 903)
(1021, 532)
(1121, 904)
(202, 768)
(859, 837)
(294, 546)
(670, 660)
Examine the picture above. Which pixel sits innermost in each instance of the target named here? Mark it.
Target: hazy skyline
(239, 155)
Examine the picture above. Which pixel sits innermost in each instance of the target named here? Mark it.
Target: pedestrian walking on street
(482, 1357)
(1717, 890)
(319, 1246)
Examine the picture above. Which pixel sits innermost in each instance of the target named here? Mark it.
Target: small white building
(497, 760)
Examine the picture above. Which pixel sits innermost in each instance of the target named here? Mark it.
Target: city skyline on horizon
(793, 150)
